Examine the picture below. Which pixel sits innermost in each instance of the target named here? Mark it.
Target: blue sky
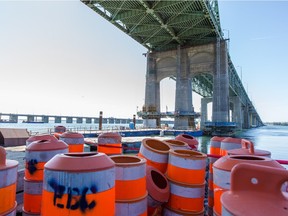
(60, 57)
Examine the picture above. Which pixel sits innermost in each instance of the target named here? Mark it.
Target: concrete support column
(204, 113)
(45, 119)
(30, 118)
(183, 100)
(13, 118)
(220, 110)
(237, 111)
(152, 94)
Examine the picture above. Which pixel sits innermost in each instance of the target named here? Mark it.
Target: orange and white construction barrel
(58, 130)
(230, 143)
(215, 145)
(130, 179)
(158, 189)
(222, 173)
(186, 166)
(74, 140)
(177, 144)
(248, 149)
(185, 197)
(110, 143)
(40, 137)
(37, 154)
(254, 194)
(155, 152)
(172, 212)
(133, 207)
(32, 197)
(190, 140)
(8, 176)
(79, 184)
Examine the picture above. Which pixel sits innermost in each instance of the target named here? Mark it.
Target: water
(270, 138)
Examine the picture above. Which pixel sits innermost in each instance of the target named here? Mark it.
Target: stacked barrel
(254, 194)
(222, 173)
(74, 140)
(110, 143)
(58, 130)
(8, 176)
(40, 137)
(177, 144)
(190, 140)
(79, 184)
(186, 175)
(158, 190)
(130, 185)
(156, 153)
(36, 155)
(215, 147)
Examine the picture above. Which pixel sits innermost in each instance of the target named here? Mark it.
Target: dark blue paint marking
(32, 166)
(73, 202)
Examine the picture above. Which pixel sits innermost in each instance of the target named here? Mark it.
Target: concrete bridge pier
(45, 119)
(204, 113)
(220, 108)
(237, 111)
(152, 95)
(13, 118)
(183, 100)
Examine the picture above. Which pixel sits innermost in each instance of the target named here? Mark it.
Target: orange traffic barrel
(58, 130)
(110, 143)
(40, 137)
(186, 166)
(222, 173)
(177, 144)
(8, 176)
(38, 153)
(74, 140)
(133, 207)
(32, 197)
(156, 153)
(79, 184)
(130, 180)
(248, 149)
(186, 197)
(257, 193)
(215, 145)
(172, 212)
(158, 189)
(190, 140)
(230, 143)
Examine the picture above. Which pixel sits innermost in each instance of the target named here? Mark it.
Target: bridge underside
(184, 41)
(162, 25)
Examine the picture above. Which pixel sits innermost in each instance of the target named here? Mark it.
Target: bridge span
(184, 41)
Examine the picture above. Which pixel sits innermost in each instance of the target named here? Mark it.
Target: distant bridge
(34, 118)
(184, 41)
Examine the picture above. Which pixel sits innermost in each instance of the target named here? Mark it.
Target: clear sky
(60, 57)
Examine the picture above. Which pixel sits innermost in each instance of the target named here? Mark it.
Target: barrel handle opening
(246, 144)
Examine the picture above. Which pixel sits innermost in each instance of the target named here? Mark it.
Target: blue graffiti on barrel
(32, 166)
(73, 194)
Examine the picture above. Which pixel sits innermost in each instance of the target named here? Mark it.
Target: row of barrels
(172, 172)
(56, 181)
(242, 177)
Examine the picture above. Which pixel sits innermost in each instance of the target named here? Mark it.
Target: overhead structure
(184, 27)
